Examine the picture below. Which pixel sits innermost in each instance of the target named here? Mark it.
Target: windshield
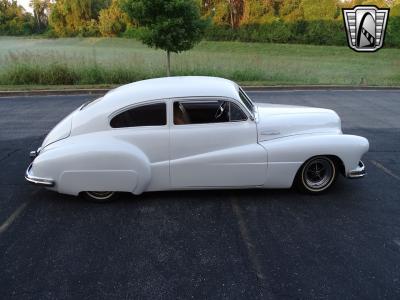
(246, 100)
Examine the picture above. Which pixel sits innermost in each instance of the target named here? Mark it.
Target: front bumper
(358, 172)
(38, 180)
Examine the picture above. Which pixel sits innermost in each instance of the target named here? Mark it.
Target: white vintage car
(181, 133)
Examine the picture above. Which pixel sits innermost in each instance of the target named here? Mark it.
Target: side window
(245, 99)
(203, 112)
(146, 115)
(236, 113)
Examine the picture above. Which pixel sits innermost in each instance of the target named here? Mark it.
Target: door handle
(270, 133)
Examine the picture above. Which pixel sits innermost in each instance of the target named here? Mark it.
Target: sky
(25, 4)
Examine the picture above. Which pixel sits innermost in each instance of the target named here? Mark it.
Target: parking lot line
(13, 216)
(384, 169)
(251, 250)
(244, 232)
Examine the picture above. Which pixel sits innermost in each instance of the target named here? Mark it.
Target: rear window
(146, 115)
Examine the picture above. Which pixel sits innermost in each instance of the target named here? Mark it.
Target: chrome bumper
(358, 172)
(37, 180)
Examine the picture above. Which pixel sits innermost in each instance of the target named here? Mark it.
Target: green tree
(40, 12)
(112, 20)
(236, 9)
(14, 20)
(320, 10)
(72, 17)
(170, 25)
(256, 11)
(292, 10)
(395, 11)
(378, 3)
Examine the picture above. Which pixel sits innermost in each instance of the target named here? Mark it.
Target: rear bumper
(38, 180)
(358, 172)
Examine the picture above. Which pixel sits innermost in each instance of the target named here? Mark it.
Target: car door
(145, 126)
(213, 143)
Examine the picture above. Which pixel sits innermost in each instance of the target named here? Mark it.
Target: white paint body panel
(83, 153)
(217, 155)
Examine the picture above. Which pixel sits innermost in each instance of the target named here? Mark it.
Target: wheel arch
(287, 155)
(338, 162)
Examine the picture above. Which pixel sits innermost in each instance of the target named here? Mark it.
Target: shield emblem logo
(365, 27)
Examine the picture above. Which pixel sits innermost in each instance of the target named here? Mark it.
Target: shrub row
(65, 74)
(301, 32)
(14, 28)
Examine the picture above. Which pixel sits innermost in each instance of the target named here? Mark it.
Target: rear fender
(82, 163)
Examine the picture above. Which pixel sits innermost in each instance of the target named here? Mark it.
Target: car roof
(91, 116)
(171, 87)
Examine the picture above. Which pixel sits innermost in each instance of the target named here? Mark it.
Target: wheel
(316, 175)
(100, 197)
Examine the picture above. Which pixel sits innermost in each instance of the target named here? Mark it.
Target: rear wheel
(317, 175)
(100, 197)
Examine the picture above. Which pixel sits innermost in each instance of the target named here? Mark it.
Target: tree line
(283, 21)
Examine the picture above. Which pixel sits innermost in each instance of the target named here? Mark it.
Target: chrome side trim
(359, 172)
(37, 180)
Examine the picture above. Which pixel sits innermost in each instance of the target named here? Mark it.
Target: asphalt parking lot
(245, 244)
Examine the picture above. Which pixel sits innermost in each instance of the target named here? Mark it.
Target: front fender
(85, 163)
(286, 155)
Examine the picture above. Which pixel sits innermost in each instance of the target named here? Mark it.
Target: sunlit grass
(116, 61)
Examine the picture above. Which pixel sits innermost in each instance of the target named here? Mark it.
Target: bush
(325, 33)
(64, 74)
(300, 32)
(112, 21)
(393, 32)
(89, 29)
(131, 33)
(221, 33)
(57, 74)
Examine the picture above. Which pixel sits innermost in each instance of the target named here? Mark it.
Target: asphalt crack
(251, 249)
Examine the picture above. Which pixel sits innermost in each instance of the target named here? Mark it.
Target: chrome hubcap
(100, 195)
(318, 173)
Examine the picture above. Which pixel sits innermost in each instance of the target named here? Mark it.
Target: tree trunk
(37, 19)
(168, 63)
(231, 11)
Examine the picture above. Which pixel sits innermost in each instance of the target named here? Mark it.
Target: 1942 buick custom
(193, 133)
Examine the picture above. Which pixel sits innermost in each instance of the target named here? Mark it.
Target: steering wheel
(220, 110)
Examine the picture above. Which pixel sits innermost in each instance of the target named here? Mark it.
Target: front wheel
(316, 175)
(100, 197)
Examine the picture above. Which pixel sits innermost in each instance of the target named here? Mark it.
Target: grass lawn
(87, 61)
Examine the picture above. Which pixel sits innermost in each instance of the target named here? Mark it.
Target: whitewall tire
(317, 175)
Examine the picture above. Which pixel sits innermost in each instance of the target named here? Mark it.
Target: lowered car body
(193, 133)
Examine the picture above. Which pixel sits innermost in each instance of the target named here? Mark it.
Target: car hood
(276, 121)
